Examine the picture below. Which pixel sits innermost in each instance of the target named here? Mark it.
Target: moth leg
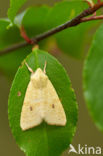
(29, 68)
(45, 67)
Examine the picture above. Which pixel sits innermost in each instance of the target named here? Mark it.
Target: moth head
(39, 79)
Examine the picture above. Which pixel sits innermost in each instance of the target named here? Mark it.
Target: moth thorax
(39, 79)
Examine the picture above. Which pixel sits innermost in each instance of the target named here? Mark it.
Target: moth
(41, 102)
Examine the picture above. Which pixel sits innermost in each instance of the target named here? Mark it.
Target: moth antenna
(45, 67)
(30, 69)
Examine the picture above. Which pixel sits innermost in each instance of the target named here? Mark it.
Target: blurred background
(86, 132)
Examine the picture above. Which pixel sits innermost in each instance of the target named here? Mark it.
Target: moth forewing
(41, 102)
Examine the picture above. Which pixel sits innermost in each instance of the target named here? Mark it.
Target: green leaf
(64, 11)
(8, 36)
(44, 139)
(34, 20)
(74, 41)
(37, 20)
(15, 5)
(10, 62)
(93, 79)
(78, 35)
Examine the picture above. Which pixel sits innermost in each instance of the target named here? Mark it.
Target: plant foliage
(44, 139)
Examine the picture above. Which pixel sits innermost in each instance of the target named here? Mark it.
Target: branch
(74, 22)
(92, 18)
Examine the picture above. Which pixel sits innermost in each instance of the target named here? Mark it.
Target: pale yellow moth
(41, 102)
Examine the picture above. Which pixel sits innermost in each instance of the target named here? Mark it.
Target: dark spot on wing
(31, 108)
(53, 106)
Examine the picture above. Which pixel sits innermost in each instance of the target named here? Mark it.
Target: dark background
(86, 132)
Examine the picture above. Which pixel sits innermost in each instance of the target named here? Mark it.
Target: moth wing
(41, 103)
(31, 114)
(54, 111)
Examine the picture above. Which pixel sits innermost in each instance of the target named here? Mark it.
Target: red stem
(24, 35)
(92, 18)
